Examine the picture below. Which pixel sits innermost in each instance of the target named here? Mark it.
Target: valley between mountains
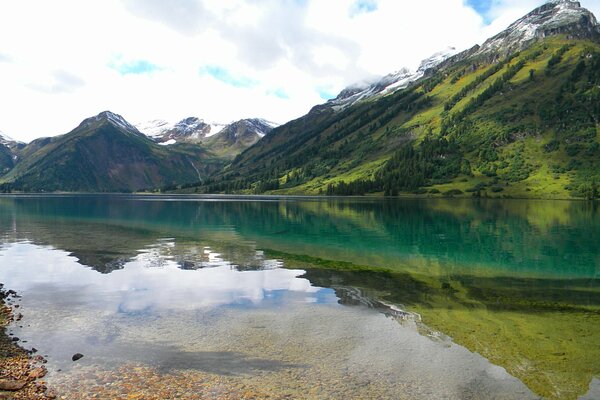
(517, 116)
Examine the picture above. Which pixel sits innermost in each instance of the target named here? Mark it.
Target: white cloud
(62, 61)
(149, 281)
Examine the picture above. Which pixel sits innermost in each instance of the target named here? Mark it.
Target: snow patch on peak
(196, 130)
(565, 3)
(112, 118)
(192, 129)
(270, 124)
(260, 126)
(5, 138)
(554, 17)
(215, 128)
(188, 125)
(9, 142)
(154, 128)
(388, 84)
(117, 120)
(437, 58)
(397, 80)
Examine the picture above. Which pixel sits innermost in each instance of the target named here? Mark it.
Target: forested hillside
(525, 125)
(517, 116)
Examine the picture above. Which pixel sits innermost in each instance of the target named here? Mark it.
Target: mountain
(517, 116)
(225, 140)
(6, 159)
(387, 84)
(8, 152)
(238, 136)
(9, 142)
(557, 17)
(106, 153)
(191, 129)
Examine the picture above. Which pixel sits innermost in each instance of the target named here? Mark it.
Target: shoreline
(267, 196)
(21, 370)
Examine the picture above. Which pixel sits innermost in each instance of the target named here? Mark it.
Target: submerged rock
(6, 384)
(37, 373)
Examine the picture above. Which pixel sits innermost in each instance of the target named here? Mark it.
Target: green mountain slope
(105, 153)
(6, 159)
(9, 150)
(524, 124)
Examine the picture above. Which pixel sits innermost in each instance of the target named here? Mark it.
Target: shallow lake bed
(305, 298)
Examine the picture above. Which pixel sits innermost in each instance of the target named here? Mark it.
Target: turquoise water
(506, 290)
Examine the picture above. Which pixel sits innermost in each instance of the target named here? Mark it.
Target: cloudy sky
(222, 60)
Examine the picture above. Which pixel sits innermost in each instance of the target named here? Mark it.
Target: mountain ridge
(106, 153)
(189, 128)
(225, 140)
(193, 129)
(186, 156)
(387, 84)
(553, 18)
(482, 122)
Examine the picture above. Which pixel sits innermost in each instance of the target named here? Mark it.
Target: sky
(62, 61)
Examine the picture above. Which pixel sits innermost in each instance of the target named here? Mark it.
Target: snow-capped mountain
(155, 128)
(4, 139)
(389, 83)
(238, 136)
(247, 128)
(189, 129)
(553, 18)
(9, 142)
(112, 119)
(196, 130)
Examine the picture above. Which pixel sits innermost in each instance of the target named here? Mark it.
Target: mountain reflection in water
(274, 287)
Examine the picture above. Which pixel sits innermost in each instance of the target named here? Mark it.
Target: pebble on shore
(20, 373)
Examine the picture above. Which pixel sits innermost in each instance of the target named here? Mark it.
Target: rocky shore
(21, 371)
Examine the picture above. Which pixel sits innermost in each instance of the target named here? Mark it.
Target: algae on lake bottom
(542, 331)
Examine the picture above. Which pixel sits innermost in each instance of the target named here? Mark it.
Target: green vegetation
(524, 126)
(548, 344)
(6, 159)
(103, 158)
(493, 69)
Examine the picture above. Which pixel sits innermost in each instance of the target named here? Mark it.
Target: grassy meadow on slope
(523, 126)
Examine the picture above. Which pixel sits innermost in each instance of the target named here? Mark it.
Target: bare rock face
(190, 129)
(553, 18)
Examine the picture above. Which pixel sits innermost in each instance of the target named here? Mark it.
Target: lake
(317, 298)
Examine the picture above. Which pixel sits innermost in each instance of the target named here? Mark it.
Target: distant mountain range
(518, 116)
(195, 130)
(106, 153)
